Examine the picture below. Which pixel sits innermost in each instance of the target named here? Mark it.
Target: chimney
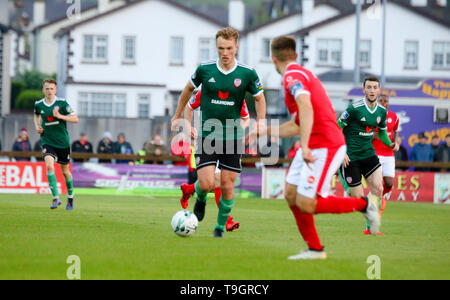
(419, 2)
(307, 8)
(102, 5)
(39, 12)
(236, 14)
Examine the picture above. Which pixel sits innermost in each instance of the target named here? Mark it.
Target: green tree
(26, 99)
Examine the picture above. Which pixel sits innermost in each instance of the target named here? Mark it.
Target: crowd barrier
(152, 180)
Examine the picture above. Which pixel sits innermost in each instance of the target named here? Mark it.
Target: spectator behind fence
(22, 144)
(122, 147)
(82, 146)
(422, 152)
(435, 146)
(401, 154)
(443, 153)
(155, 147)
(105, 146)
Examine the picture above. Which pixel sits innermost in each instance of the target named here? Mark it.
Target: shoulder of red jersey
(296, 80)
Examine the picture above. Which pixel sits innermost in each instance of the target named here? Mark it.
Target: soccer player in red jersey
(384, 153)
(322, 151)
(189, 189)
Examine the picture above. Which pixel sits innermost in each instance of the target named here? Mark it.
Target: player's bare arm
(306, 123)
(286, 130)
(37, 124)
(188, 116)
(72, 118)
(184, 98)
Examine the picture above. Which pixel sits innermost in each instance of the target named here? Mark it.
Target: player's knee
(227, 189)
(50, 168)
(306, 205)
(206, 185)
(290, 196)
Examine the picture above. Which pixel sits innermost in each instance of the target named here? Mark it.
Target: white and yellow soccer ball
(184, 223)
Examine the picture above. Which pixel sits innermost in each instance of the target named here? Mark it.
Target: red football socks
(307, 228)
(386, 189)
(339, 205)
(217, 194)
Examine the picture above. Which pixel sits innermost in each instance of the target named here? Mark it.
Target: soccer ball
(184, 223)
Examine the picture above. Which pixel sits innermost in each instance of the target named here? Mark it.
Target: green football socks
(201, 195)
(52, 183)
(69, 185)
(225, 207)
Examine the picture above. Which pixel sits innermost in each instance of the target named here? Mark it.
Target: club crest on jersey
(349, 179)
(378, 120)
(389, 120)
(311, 179)
(223, 95)
(237, 82)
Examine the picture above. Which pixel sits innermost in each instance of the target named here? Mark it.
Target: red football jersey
(392, 121)
(194, 103)
(325, 131)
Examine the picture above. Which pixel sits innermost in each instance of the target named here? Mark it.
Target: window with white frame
(129, 49)
(441, 55)
(329, 52)
(265, 50)
(143, 106)
(365, 49)
(176, 50)
(207, 49)
(102, 104)
(411, 54)
(95, 48)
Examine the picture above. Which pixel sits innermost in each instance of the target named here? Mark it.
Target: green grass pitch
(129, 237)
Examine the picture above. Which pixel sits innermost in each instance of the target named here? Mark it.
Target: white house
(133, 61)
(417, 47)
(255, 46)
(5, 78)
(45, 46)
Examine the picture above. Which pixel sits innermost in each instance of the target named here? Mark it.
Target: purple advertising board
(149, 179)
(416, 119)
(435, 88)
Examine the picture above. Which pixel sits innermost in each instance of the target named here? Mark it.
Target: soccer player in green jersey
(224, 83)
(50, 117)
(358, 122)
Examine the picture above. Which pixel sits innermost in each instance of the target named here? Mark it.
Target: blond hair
(228, 33)
(49, 80)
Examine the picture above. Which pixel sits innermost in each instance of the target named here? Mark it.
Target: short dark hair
(49, 80)
(284, 47)
(371, 78)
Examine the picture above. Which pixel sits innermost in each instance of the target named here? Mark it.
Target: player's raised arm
(184, 98)
(72, 118)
